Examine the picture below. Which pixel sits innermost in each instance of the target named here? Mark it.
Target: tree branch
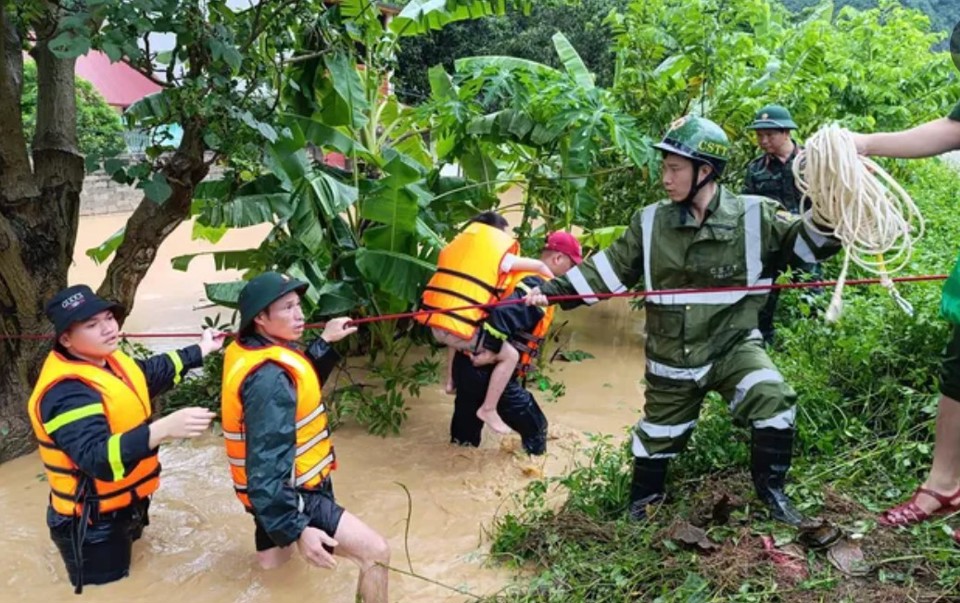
(56, 98)
(151, 223)
(16, 175)
(257, 32)
(147, 73)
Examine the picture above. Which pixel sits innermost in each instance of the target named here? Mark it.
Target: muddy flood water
(199, 545)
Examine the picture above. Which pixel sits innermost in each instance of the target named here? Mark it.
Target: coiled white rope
(860, 204)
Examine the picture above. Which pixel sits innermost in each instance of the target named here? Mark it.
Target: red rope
(553, 298)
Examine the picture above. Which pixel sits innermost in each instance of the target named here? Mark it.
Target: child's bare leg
(449, 386)
(507, 360)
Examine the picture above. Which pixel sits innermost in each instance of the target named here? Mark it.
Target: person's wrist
(160, 429)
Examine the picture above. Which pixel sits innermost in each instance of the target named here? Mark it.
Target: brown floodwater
(200, 542)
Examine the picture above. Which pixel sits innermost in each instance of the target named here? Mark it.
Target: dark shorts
(319, 505)
(107, 544)
(517, 407)
(950, 367)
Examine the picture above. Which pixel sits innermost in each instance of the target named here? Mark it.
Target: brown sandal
(909, 513)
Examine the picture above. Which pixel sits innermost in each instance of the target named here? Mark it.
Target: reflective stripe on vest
(754, 263)
(125, 404)
(314, 456)
(468, 273)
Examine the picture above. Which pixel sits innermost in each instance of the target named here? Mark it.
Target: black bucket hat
(77, 304)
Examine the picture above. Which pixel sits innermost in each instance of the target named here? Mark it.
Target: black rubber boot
(772, 451)
(648, 486)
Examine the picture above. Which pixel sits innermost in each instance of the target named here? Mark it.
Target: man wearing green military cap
(277, 436)
(702, 237)
(771, 175)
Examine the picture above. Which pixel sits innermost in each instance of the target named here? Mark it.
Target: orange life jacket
(468, 273)
(528, 343)
(125, 402)
(315, 457)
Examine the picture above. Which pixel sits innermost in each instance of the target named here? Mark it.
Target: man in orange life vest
(523, 327)
(277, 436)
(91, 412)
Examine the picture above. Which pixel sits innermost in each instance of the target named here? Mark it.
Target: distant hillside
(944, 14)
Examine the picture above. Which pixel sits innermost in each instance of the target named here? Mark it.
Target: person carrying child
(471, 271)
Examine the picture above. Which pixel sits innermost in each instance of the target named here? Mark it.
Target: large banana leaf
(224, 294)
(505, 64)
(420, 16)
(238, 259)
(247, 210)
(303, 224)
(396, 209)
(325, 136)
(441, 84)
(399, 274)
(572, 61)
(336, 298)
(345, 102)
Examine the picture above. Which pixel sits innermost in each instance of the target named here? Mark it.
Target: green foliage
(943, 14)
(382, 409)
(723, 59)
(506, 121)
(219, 81)
(366, 236)
(516, 35)
(99, 126)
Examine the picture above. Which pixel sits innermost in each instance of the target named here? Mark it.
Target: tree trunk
(39, 210)
(151, 223)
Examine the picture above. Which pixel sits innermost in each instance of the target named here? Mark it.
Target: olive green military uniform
(697, 342)
(770, 177)
(703, 336)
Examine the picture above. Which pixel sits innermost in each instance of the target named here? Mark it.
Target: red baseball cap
(566, 243)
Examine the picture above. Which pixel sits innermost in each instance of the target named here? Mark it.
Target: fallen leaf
(847, 557)
(690, 535)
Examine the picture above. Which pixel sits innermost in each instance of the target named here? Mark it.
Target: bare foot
(493, 421)
(450, 388)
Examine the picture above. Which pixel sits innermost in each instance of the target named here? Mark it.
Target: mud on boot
(771, 453)
(647, 487)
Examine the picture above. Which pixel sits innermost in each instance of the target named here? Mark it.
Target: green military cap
(263, 290)
(772, 117)
(699, 139)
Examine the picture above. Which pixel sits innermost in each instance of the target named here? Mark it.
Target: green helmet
(262, 290)
(772, 117)
(699, 139)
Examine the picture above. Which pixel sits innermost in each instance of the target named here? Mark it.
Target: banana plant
(507, 120)
(365, 235)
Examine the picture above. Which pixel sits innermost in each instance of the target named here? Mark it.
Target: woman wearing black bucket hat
(91, 413)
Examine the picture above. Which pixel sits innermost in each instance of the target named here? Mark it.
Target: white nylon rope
(861, 205)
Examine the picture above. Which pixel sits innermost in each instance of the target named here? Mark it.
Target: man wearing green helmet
(702, 237)
(771, 175)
